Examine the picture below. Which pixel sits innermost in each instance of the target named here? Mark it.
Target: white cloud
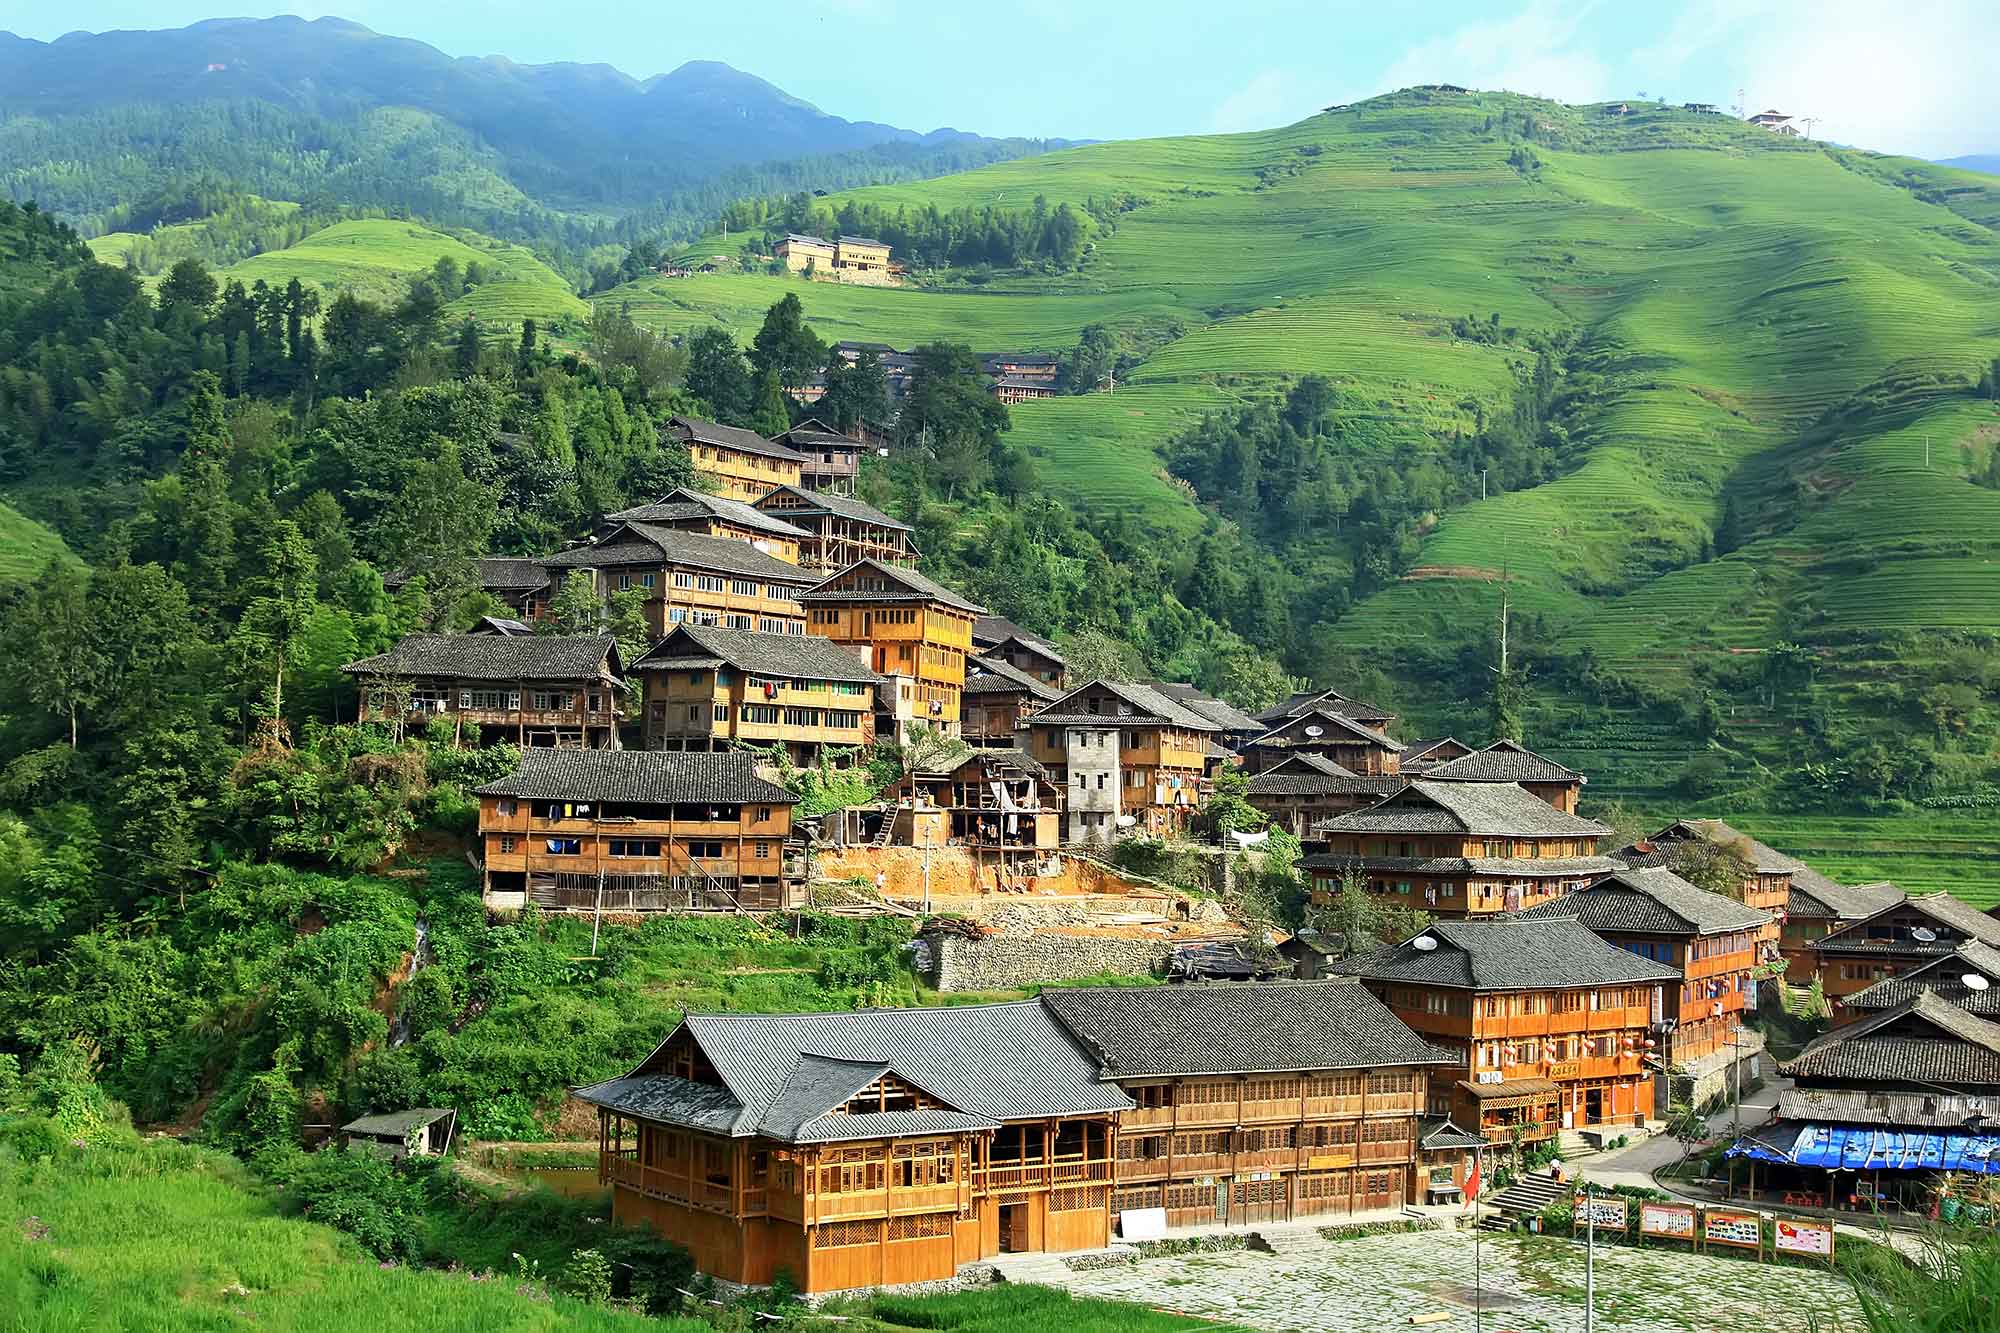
(1271, 98)
(1536, 51)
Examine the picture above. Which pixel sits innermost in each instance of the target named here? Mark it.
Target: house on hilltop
(537, 690)
(709, 688)
(691, 578)
(1126, 756)
(742, 464)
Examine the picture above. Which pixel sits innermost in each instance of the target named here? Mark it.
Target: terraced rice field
(26, 547)
(1956, 853)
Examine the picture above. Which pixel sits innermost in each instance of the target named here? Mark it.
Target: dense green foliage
(1050, 239)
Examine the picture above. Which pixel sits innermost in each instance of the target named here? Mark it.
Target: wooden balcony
(883, 1202)
(1003, 1176)
(675, 1186)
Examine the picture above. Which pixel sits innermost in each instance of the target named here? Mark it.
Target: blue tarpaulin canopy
(1858, 1147)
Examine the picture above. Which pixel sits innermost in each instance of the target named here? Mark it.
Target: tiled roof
(717, 435)
(1537, 867)
(1961, 918)
(685, 504)
(792, 656)
(1510, 953)
(1149, 707)
(495, 573)
(991, 1061)
(1841, 902)
(1437, 1135)
(1222, 714)
(1321, 718)
(1945, 977)
(1001, 760)
(646, 777)
(500, 657)
(841, 506)
(1652, 901)
(1503, 761)
(1307, 774)
(671, 546)
(1333, 701)
(501, 625)
(1237, 1029)
(1419, 752)
(990, 675)
(1925, 1040)
(907, 586)
(1497, 808)
(1767, 859)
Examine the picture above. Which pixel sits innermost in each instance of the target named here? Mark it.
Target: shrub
(587, 1276)
(361, 1191)
(507, 1116)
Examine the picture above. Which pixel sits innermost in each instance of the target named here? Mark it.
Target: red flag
(1472, 1184)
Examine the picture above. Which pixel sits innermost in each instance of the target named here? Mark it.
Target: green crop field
(26, 547)
(376, 258)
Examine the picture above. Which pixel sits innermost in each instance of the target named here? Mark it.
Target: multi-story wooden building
(741, 464)
(635, 830)
(833, 460)
(693, 579)
(873, 1147)
(999, 803)
(1505, 761)
(1419, 757)
(1767, 883)
(1356, 747)
(1460, 849)
(838, 530)
(1001, 639)
(521, 585)
(1815, 907)
(1331, 701)
(715, 516)
(998, 697)
(1715, 942)
(1898, 939)
(1125, 755)
(916, 632)
(1955, 977)
(1234, 727)
(1023, 389)
(1258, 1103)
(1303, 791)
(1548, 1022)
(707, 688)
(534, 690)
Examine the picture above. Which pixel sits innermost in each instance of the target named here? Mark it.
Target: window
(505, 806)
(743, 587)
(507, 842)
(705, 851)
(683, 579)
(721, 712)
(675, 615)
(565, 846)
(635, 847)
(545, 701)
(648, 579)
(763, 852)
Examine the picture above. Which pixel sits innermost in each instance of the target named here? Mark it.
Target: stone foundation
(1008, 962)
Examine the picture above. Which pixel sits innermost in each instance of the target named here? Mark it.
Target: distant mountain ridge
(570, 136)
(1986, 162)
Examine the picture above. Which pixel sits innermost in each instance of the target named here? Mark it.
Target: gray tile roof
(714, 433)
(994, 1061)
(1876, 1106)
(1419, 752)
(1000, 760)
(510, 573)
(990, 675)
(1503, 761)
(838, 1128)
(668, 1098)
(1926, 1040)
(792, 656)
(907, 585)
(1767, 859)
(1326, 721)
(1333, 701)
(841, 506)
(1945, 977)
(1237, 1029)
(1540, 867)
(1511, 953)
(646, 777)
(1222, 714)
(1438, 1135)
(1476, 808)
(671, 546)
(1148, 705)
(1841, 902)
(682, 504)
(1958, 917)
(398, 1122)
(495, 657)
(1306, 774)
(1652, 901)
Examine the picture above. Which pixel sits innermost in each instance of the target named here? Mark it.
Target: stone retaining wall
(1007, 962)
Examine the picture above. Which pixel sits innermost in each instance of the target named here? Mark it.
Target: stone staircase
(1045, 1270)
(1523, 1199)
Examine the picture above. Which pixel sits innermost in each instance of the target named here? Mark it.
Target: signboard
(1566, 1069)
(1671, 1220)
(1609, 1212)
(1143, 1224)
(1326, 1161)
(1743, 1230)
(1798, 1235)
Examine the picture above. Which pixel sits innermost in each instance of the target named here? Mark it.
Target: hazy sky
(1911, 76)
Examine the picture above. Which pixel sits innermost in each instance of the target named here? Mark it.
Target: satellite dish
(1973, 981)
(1923, 933)
(1127, 821)
(1315, 730)
(1423, 944)
(1250, 839)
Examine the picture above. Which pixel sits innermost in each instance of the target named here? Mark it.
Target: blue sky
(1912, 76)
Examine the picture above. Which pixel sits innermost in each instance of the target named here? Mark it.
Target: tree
(466, 351)
(1719, 867)
(785, 348)
(1228, 809)
(56, 653)
(1688, 1127)
(281, 605)
(526, 354)
(575, 609)
(718, 375)
(188, 287)
(1094, 655)
(773, 412)
(929, 749)
(625, 618)
(437, 526)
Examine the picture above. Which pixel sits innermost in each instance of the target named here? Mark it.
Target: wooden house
(1460, 849)
(997, 802)
(741, 464)
(1126, 756)
(693, 579)
(1767, 885)
(998, 699)
(1000, 638)
(838, 530)
(832, 460)
(1898, 939)
(1715, 942)
(864, 1147)
(1547, 1021)
(1234, 727)
(521, 585)
(1953, 977)
(1022, 389)
(1421, 756)
(1815, 907)
(1505, 761)
(1303, 791)
(714, 516)
(1256, 1104)
(1892, 1114)
(707, 688)
(1358, 748)
(1330, 701)
(534, 690)
(915, 631)
(636, 831)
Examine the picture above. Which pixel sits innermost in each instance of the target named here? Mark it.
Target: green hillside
(376, 258)
(26, 547)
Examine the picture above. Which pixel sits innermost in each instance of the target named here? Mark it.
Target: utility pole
(597, 917)
(1482, 483)
(1927, 453)
(1589, 1260)
(1478, 1291)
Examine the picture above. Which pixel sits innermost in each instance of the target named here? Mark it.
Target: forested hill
(329, 111)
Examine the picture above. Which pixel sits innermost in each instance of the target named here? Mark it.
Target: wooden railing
(1041, 1175)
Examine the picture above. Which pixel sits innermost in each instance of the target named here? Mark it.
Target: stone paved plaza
(1378, 1282)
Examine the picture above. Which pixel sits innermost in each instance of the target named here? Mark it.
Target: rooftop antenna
(1809, 122)
(1741, 104)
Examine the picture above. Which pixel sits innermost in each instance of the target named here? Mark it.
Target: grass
(1958, 853)
(26, 547)
(1028, 1309)
(375, 258)
(154, 1235)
